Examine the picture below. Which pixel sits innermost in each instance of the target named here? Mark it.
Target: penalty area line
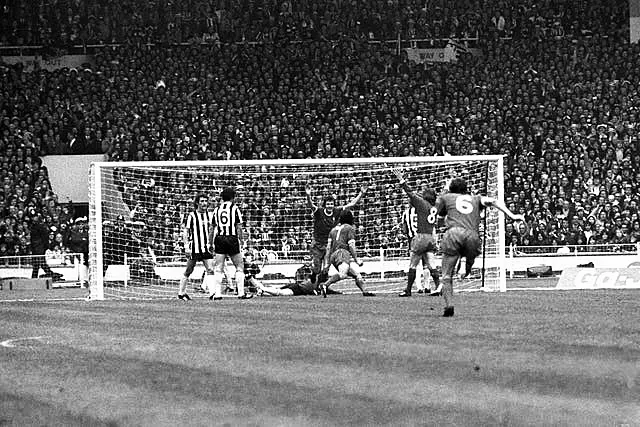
(10, 342)
(42, 300)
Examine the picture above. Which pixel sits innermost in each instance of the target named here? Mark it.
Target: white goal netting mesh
(137, 211)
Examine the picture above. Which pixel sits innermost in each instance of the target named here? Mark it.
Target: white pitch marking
(10, 343)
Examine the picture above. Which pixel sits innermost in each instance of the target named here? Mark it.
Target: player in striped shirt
(196, 243)
(423, 244)
(341, 253)
(462, 238)
(226, 240)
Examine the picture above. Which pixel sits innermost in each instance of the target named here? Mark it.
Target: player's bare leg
(208, 271)
(448, 270)
(343, 273)
(354, 271)
(182, 288)
(238, 262)
(275, 291)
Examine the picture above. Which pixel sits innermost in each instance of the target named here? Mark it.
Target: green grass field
(516, 358)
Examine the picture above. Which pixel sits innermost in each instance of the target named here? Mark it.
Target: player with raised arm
(462, 238)
(342, 254)
(423, 243)
(195, 235)
(225, 240)
(325, 217)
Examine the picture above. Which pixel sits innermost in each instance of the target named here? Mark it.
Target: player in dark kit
(324, 219)
(462, 239)
(225, 239)
(305, 287)
(342, 254)
(196, 238)
(423, 244)
(302, 285)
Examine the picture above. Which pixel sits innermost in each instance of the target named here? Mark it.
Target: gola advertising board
(599, 278)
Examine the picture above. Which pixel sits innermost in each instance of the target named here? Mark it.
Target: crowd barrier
(21, 267)
(391, 261)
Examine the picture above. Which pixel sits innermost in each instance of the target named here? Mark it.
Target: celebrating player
(462, 239)
(225, 239)
(324, 219)
(196, 237)
(341, 253)
(423, 244)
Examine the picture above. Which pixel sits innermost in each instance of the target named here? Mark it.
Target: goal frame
(96, 280)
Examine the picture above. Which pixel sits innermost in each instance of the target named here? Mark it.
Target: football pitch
(514, 358)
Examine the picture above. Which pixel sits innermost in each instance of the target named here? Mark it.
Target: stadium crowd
(559, 97)
(63, 23)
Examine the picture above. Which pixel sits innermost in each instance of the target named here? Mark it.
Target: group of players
(213, 236)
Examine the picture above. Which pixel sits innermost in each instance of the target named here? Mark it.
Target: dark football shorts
(201, 256)
(300, 288)
(227, 245)
(460, 241)
(422, 243)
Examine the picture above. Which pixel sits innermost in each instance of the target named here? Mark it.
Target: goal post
(136, 211)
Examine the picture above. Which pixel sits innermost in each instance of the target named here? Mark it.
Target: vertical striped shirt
(225, 218)
(198, 230)
(410, 221)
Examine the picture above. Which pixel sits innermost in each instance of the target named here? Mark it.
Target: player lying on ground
(462, 212)
(293, 289)
(342, 254)
(251, 269)
(423, 243)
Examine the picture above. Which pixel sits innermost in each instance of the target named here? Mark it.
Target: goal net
(137, 210)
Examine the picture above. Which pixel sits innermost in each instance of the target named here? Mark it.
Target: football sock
(435, 276)
(411, 277)
(240, 282)
(214, 284)
(183, 285)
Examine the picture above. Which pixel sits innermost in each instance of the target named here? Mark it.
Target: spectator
(39, 245)
(564, 113)
(77, 240)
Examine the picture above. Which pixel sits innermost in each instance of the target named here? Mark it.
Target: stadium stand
(556, 90)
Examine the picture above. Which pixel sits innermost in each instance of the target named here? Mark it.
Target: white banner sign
(427, 55)
(32, 62)
(450, 53)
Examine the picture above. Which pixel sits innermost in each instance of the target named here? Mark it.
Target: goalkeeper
(325, 217)
(302, 285)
